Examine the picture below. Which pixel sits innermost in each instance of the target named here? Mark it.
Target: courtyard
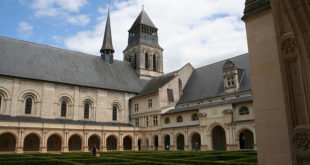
(130, 157)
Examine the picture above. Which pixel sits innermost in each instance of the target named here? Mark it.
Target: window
(167, 120)
(63, 109)
(154, 62)
(114, 113)
(155, 121)
(244, 111)
(147, 121)
(230, 81)
(0, 101)
(136, 121)
(136, 107)
(150, 103)
(179, 119)
(146, 61)
(28, 105)
(195, 117)
(170, 95)
(86, 110)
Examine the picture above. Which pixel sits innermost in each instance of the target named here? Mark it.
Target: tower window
(114, 113)
(28, 105)
(154, 62)
(136, 107)
(167, 120)
(86, 110)
(146, 61)
(63, 108)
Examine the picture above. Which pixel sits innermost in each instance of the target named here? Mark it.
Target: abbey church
(57, 100)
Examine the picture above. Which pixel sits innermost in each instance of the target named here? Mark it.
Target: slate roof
(143, 19)
(39, 62)
(197, 107)
(107, 40)
(58, 121)
(207, 82)
(255, 6)
(154, 84)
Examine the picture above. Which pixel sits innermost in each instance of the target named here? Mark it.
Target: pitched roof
(207, 82)
(107, 40)
(143, 19)
(34, 61)
(154, 84)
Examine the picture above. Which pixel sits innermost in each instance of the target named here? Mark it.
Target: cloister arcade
(77, 142)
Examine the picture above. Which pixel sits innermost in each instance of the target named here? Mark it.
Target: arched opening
(146, 61)
(75, 143)
(94, 140)
(180, 87)
(195, 117)
(28, 105)
(196, 141)
(246, 140)
(156, 142)
(180, 142)
(32, 142)
(139, 144)
(154, 63)
(127, 142)
(111, 143)
(86, 110)
(167, 142)
(114, 113)
(63, 108)
(244, 111)
(179, 119)
(7, 142)
(218, 138)
(54, 143)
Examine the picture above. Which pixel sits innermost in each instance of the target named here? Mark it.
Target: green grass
(135, 158)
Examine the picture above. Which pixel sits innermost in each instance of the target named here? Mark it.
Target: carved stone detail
(289, 46)
(301, 140)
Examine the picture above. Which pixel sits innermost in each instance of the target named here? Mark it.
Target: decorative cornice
(255, 6)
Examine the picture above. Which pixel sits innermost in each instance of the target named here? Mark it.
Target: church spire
(107, 46)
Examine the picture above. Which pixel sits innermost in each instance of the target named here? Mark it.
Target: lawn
(131, 157)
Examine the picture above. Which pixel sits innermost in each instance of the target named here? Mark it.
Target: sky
(199, 32)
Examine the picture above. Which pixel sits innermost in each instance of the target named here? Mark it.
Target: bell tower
(143, 50)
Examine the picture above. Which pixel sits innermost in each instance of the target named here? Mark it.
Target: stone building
(54, 100)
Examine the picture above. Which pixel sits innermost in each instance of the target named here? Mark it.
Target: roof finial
(142, 4)
(109, 6)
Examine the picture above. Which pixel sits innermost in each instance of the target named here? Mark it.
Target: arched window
(167, 120)
(179, 119)
(28, 105)
(0, 101)
(154, 62)
(114, 113)
(146, 61)
(244, 111)
(195, 117)
(63, 108)
(86, 110)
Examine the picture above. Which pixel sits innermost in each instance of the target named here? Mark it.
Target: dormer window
(230, 81)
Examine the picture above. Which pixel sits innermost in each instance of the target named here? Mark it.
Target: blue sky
(200, 32)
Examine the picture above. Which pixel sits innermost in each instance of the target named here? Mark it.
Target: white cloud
(25, 30)
(199, 32)
(61, 9)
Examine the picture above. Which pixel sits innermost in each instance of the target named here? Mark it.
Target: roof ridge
(221, 61)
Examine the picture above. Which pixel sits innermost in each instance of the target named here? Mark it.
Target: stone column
(20, 146)
(186, 141)
(120, 142)
(65, 147)
(43, 142)
(103, 142)
(85, 148)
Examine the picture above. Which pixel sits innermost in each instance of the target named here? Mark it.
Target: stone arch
(111, 142)
(54, 142)
(5, 93)
(7, 142)
(116, 107)
(246, 139)
(195, 141)
(68, 99)
(24, 97)
(32, 142)
(94, 140)
(155, 142)
(167, 142)
(127, 142)
(75, 142)
(180, 141)
(218, 138)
